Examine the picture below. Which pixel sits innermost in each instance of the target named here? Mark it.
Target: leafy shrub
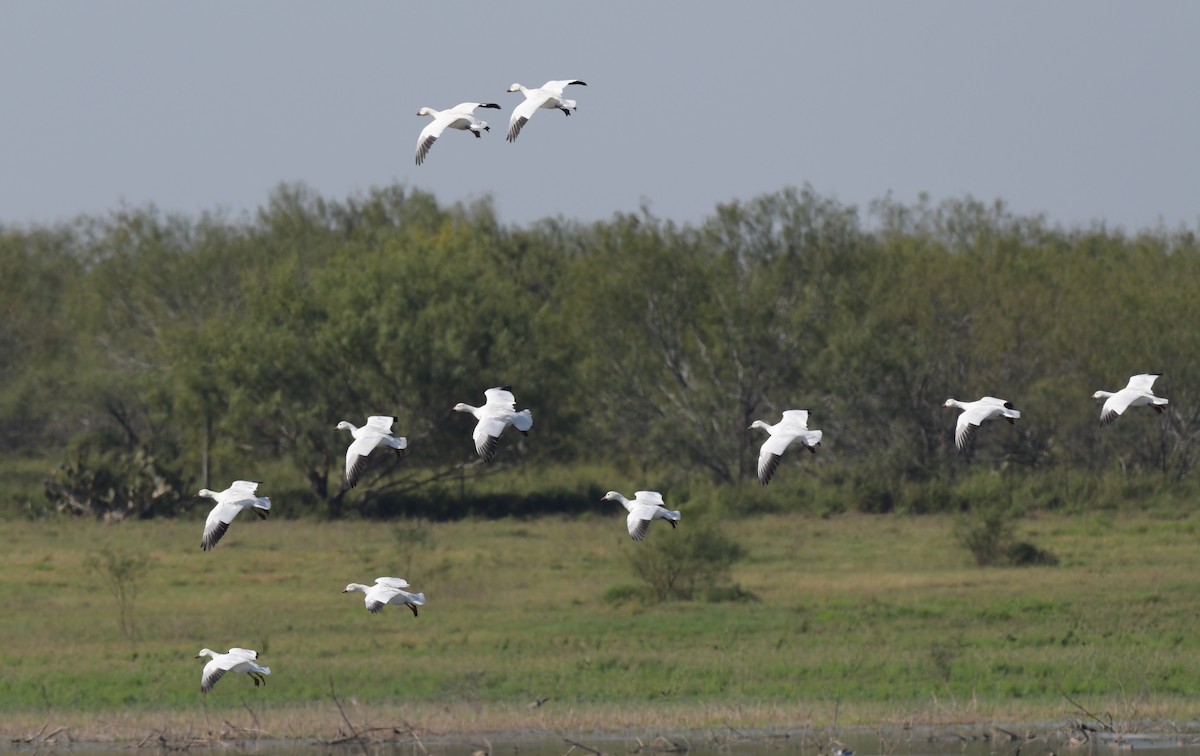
(1025, 554)
(439, 504)
(873, 495)
(986, 533)
(683, 563)
(942, 655)
(989, 533)
(122, 572)
(729, 593)
(625, 593)
(411, 537)
(114, 484)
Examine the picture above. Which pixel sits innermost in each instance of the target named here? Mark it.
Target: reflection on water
(804, 742)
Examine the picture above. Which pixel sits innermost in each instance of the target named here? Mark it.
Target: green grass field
(858, 620)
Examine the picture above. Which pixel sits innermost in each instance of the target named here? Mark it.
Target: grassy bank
(858, 619)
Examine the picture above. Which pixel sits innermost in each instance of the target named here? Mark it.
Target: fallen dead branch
(369, 734)
(1105, 726)
(393, 735)
(589, 749)
(356, 737)
(662, 744)
(41, 737)
(237, 732)
(165, 740)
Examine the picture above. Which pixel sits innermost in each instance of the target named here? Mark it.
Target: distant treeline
(142, 352)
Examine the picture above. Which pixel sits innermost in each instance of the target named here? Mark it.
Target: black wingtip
(488, 450)
(489, 105)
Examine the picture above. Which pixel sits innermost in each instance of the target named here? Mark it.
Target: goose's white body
(975, 413)
(387, 590)
(793, 427)
(498, 413)
(549, 95)
(230, 502)
(1138, 392)
(237, 660)
(644, 508)
(461, 117)
(377, 432)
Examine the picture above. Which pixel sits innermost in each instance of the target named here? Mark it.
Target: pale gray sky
(1085, 111)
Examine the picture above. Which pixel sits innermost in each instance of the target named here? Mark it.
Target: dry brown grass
(463, 722)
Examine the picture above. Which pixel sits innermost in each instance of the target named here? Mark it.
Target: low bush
(114, 484)
(989, 534)
(684, 564)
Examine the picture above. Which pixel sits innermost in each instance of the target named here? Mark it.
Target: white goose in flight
(549, 95)
(646, 507)
(1136, 393)
(230, 502)
(498, 413)
(387, 590)
(461, 116)
(237, 660)
(793, 426)
(377, 432)
(973, 415)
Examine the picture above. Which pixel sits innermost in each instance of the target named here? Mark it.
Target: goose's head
(206, 493)
(426, 112)
(352, 587)
(343, 426)
(1101, 394)
(463, 407)
(516, 88)
(612, 496)
(205, 652)
(757, 424)
(951, 403)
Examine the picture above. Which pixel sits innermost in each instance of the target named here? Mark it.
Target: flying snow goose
(461, 116)
(231, 501)
(237, 660)
(549, 95)
(1136, 393)
(377, 432)
(387, 590)
(499, 412)
(793, 426)
(645, 507)
(973, 415)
